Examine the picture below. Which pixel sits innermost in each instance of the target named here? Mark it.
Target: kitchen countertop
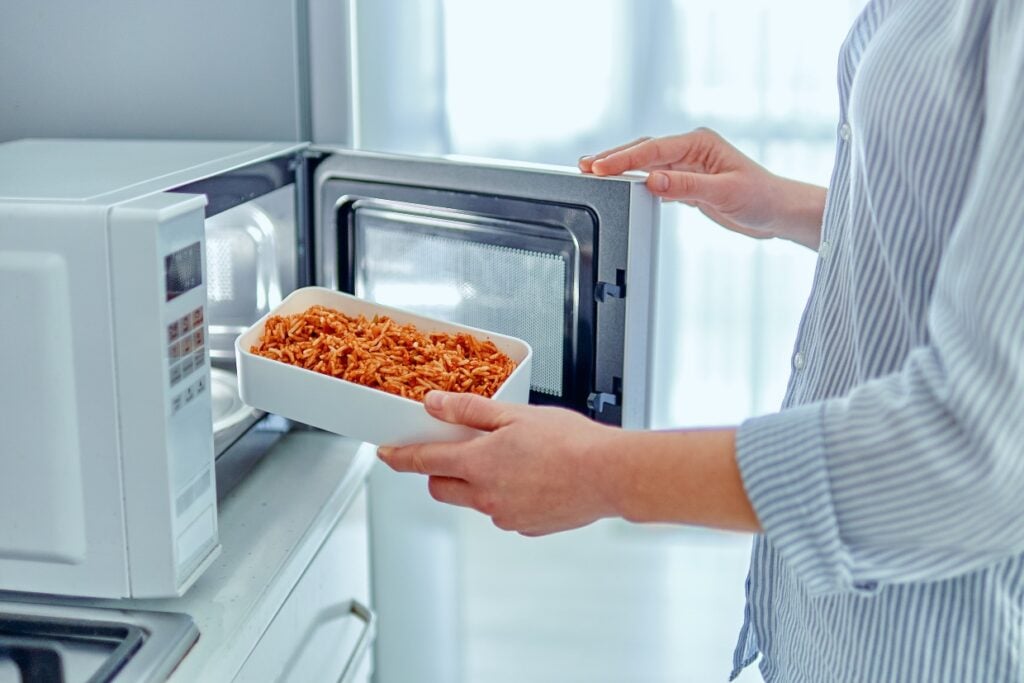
(270, 526)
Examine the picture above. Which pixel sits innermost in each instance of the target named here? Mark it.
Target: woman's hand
(701, 169)
(533, 471)
(541, 470)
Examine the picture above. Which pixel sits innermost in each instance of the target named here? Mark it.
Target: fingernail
(385, 451)
(588, 158)
(659, 182)
(434, 400)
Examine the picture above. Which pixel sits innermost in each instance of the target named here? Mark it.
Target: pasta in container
(384, 354)
(360, 369)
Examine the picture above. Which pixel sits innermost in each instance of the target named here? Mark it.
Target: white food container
(350, 409)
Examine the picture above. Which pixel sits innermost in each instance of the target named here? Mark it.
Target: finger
(451, 490)
(614, 150)
(687, 149)
(586, 163)
(434, 459)
(470, 410)
(686, 187)
(677, 166)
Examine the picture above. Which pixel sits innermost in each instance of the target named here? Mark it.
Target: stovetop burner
(58, 643)
(39, 647)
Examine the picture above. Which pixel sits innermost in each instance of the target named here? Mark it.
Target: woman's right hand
(701, 169)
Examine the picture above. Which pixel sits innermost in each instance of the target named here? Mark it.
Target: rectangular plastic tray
(351, 409)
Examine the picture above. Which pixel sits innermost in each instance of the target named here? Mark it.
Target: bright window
(517, 83)
(550, 80)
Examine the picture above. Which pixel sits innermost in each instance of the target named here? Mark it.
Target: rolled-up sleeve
(919, 475)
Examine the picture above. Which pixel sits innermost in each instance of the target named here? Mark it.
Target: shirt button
(845, 132)
(825, 250)
(799, 361)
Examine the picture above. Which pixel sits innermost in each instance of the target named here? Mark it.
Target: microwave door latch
(606, 290)
(596, 401)
(603, 291)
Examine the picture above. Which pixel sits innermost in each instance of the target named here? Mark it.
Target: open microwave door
(560, 259)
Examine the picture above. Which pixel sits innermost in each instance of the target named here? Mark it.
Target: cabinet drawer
(325, 627)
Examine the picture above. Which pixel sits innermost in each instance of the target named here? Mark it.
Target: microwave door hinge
(598, 400)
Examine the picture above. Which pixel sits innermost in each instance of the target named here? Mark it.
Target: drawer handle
(364, 613)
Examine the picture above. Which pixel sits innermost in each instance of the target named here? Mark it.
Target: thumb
(470, 410)
(685, 186)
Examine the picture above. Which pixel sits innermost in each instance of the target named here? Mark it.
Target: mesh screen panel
(511, 291)
(220, 267)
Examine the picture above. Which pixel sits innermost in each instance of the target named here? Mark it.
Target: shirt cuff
(781, 458)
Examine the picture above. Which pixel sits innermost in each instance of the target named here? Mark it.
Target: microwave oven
(127, 269)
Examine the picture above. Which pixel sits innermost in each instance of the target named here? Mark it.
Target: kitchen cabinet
(325, 628)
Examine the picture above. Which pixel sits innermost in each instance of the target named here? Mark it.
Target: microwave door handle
(369, 619)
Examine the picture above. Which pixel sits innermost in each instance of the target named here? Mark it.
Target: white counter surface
(271, 525)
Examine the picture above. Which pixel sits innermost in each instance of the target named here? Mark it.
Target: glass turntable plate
(231, 417)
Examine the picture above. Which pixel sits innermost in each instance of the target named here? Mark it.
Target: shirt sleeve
(919, 475)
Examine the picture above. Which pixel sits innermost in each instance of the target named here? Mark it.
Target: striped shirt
(891, 485)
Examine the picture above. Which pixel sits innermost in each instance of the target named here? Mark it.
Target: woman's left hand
(534, 470)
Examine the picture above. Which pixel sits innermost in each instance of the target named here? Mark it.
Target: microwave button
(172, 331)
(175, 351)
(199, 359)
(197, 339)
(190, 394)
(197, 317)
(186, 366)
(200, 385)
(175, 374)
(185, 324)
(177, 403)
(186, 346)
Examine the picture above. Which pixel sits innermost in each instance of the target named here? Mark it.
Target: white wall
(230, 69)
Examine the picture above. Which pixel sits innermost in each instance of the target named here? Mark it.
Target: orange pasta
(383, 354)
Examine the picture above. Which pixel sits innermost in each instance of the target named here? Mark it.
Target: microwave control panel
(186, 358)
(186, 378)
(186, 335)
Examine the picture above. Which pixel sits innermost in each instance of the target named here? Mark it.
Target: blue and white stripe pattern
(891, 486)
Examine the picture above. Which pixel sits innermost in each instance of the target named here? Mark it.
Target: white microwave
(128, 267)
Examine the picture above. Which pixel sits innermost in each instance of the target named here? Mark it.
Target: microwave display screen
(183, 270)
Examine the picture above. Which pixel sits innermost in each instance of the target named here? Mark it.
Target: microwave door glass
(538, 253)
(508, 277)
